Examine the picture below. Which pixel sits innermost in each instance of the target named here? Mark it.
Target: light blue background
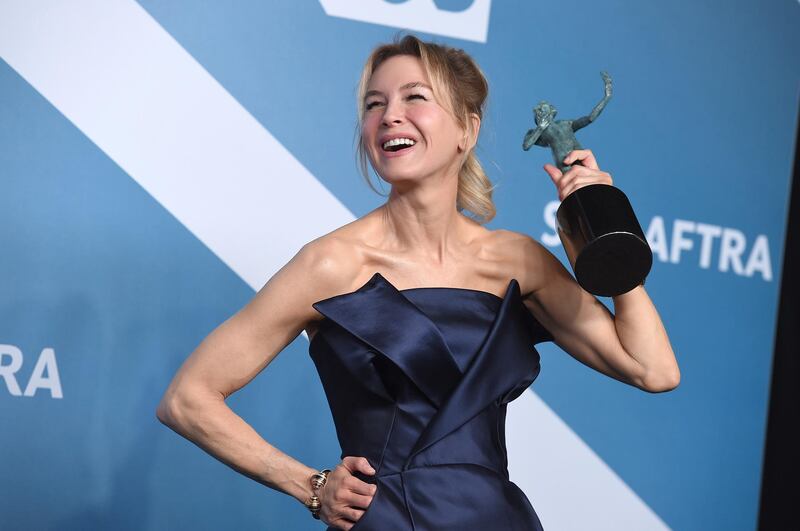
(701, 128)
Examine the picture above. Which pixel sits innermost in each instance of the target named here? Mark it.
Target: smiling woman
(436, 83)
(422, 323)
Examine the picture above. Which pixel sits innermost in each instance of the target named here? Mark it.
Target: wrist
(301, 485)
(316, 482)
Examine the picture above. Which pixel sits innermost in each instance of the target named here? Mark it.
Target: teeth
(397, 142)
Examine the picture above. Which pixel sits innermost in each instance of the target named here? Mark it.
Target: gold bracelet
(318, 480)
(314, 506)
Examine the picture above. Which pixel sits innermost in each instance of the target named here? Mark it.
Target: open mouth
(398, 144)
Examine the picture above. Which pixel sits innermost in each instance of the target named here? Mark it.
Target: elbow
(165, 412)
(173, 409)
(662, 381)
(185, 407)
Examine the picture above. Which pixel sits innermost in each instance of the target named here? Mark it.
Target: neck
(423, 217)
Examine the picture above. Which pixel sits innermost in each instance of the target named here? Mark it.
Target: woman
(422, 323)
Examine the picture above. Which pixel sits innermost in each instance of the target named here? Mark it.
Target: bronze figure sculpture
(603, 240)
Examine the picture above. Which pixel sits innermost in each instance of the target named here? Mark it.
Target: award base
(604, 242)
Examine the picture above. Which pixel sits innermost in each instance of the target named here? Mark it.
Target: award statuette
(596, 223)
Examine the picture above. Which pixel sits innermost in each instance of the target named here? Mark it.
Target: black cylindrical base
(604, 242)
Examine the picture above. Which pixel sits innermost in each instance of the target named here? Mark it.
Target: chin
(397, 178)
(400, 175)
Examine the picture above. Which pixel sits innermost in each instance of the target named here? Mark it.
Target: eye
(371, 104)
(415, 96)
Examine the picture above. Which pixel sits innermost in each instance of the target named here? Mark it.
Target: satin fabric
(418, 381)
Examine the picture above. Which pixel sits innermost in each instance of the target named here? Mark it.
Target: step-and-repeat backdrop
(159, 161)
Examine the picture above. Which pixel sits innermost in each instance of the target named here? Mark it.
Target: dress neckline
(378, 277)
(418, 288)
(473, 290)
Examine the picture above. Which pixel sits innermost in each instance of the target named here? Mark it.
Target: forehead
(396, 72)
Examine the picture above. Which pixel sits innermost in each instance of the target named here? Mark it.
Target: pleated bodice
(418, 381)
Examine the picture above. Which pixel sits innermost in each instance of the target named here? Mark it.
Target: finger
(351, 513)
(554, 173)
(342, 523)
(571, 186)
(569, 178)
(580, 182)
(577, 170)
(574, 185)
(585, 156)
(591, 177)
(359, 487)
(358, 464)
(570, 175)
(346, 517)
(359, 501)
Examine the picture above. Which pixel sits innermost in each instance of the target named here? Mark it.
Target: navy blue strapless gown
(418, 381)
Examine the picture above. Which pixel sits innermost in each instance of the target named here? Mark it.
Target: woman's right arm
(235, 352)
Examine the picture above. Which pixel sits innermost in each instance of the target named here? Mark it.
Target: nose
(392, 114)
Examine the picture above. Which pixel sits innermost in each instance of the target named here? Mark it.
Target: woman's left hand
(578, 175)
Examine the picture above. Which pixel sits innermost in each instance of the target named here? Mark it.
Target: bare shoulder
(522, 257)
(282, 308)
(505, 237)
(330, 263)
(327, 265)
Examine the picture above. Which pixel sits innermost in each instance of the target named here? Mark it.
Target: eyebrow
(413, 84)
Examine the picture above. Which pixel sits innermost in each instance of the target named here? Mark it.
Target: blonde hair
(460, 87)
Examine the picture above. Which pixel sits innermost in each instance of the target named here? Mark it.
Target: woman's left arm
(630, 345)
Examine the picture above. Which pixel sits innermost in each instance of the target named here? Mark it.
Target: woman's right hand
(344, 498)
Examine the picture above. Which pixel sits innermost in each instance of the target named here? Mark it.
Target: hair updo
(461, 88)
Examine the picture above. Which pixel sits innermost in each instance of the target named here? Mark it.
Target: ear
(471, 134)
